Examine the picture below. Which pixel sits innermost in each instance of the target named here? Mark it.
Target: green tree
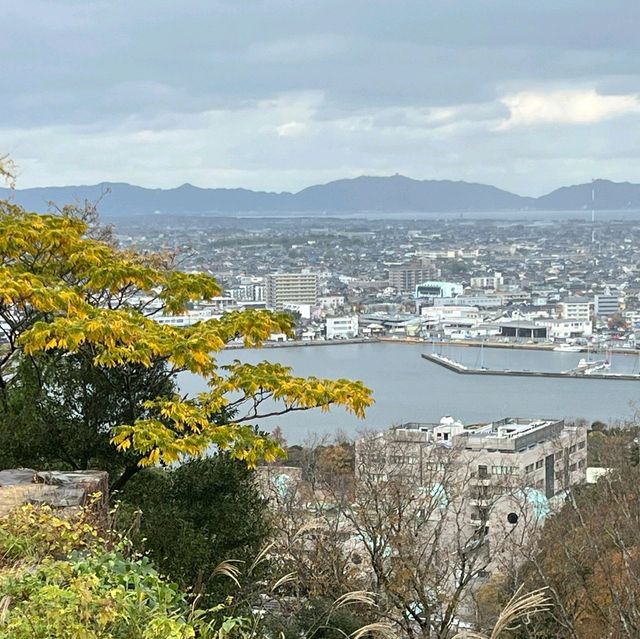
(196, 516)
(61, 412)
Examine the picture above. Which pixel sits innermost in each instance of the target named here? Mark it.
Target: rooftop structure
(545, 454)
(435, 289)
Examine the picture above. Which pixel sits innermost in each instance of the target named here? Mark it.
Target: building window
(504, 470)
(483, 472)
(529, 468)
(539, 463)
(572, 468)
(581, 463)
(572, 449)
(582, 444)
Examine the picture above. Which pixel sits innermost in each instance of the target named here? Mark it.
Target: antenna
(593, 211)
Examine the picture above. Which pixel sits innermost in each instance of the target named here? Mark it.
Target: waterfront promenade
(526, 346)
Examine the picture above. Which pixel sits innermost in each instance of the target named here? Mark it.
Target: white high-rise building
(293, 288)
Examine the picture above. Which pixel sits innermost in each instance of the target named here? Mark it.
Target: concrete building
(213, 309)
(472, 299)
(331, 301)
(341, 327)
(405, 277)
(294, 288)
(544, 454)
(575, 308)
(304, 310)
(606, 305)
(432, 290)
(488, 281)
(490, 478)
(247, 292)
(450, 314)
(559, 329)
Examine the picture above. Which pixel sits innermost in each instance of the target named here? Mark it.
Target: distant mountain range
(386, 194)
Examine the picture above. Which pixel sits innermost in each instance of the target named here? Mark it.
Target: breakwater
(456, 367)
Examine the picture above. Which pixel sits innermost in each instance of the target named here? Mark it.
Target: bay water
(408, 388)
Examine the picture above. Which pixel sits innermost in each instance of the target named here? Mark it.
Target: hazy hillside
(607, 195)
(399, 193)
(393, 194)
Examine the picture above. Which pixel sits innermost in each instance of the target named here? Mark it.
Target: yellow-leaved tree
(65, 288)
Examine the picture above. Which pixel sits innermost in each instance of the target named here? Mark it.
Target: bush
(196, 516)
(59, 579)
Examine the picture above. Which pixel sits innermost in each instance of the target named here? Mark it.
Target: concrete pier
(456, 367)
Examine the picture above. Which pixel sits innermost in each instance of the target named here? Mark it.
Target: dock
(461, 369)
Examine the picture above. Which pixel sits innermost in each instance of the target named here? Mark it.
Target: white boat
(568, 348)
(595, 367)
(589, 366)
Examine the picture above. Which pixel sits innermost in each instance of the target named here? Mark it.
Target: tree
(415, 535)
(196, 516)
(61, 412)
(416, 526)
(65, 290)
(617, 322)
(588, 556)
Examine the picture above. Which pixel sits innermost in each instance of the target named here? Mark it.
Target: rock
(58, 489)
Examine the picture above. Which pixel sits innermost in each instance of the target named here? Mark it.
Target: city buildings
(551, 275)
(294, 288)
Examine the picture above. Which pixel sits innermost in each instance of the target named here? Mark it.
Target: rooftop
(509, 434)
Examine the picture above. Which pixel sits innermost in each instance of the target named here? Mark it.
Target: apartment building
(405, 277)
(485, 488)
(606, 305)
(544, 454)
(575, 308)
(491, 477)
(292, 288)
(487, 281)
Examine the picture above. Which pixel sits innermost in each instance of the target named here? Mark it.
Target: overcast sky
(277, 95)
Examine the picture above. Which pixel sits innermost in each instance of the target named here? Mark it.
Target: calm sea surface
(408, 388)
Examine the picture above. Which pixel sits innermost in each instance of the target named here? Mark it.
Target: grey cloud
(354, 86)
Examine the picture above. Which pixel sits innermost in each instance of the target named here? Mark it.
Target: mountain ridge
(396, 193)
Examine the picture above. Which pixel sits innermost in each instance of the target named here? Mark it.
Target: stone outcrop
(58, 489)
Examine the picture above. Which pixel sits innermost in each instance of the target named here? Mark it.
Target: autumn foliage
(65, 288)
